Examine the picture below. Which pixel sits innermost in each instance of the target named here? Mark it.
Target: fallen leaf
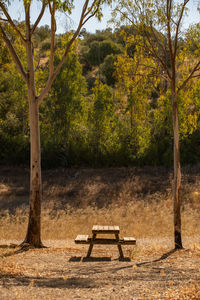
(162, 272)
(134, 266)
(31, 284)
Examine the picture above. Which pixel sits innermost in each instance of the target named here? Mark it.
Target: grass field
(138, 200)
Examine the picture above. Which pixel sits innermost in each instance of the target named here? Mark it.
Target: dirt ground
(60, 271)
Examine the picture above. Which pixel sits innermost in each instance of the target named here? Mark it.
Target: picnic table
(99, 229)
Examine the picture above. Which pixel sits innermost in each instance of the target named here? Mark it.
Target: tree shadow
(11, 246)
(163, 257)
(64, 282)
(75, 259)
(19, 249)
(95, 259)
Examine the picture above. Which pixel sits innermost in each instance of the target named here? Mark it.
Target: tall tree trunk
(33, 236)
(177, 176)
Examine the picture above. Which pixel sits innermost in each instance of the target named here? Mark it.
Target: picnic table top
(105, 229)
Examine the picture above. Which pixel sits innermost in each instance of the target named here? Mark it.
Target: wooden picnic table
(99, 229)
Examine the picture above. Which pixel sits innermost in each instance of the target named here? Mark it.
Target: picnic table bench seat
(85, 239)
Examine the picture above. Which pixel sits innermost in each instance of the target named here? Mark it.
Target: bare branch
(85, 6)
(39, 17)
(92, 15)
(195, 76)
(178, 26)
(156, 55)
(76, 33)
(4, 20)
(53, 30)
(53, 76)
(11, 22)
(169, 7)
(89, 10)
(14, 55)
(196, 68)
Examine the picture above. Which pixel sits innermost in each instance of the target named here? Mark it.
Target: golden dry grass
(136, 219)
(138, 200)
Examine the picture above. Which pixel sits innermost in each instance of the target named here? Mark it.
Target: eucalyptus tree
(159, 26)
(27, 69)
(134, 91)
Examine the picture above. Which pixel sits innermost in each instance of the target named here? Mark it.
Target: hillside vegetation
(100, 111)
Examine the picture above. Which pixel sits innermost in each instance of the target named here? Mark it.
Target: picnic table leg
(121, 255)
(91, 245)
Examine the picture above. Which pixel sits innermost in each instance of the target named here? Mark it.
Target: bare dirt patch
(61, 272)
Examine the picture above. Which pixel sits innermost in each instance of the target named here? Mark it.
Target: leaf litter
(60, 272)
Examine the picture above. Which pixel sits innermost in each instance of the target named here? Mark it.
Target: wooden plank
(84, 239)
(129, 240)
(81, 239)
(104, 241)
(95, 227)
(105, 229)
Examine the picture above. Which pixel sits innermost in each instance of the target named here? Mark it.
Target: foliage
(103, 121)
(116, 113)
(107, 69)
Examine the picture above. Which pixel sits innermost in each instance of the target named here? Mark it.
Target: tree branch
(169, 7)
(54, 74)
(158, 41)
(85, 8)
(39, 17)
(196, 68)
(10, 21)
(92, 15)
(14, 55)
(53, 30)
(124, 14)
(4, 20)
(156, 55)
(178, 26)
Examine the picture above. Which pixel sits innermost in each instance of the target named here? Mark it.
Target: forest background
(107, 109)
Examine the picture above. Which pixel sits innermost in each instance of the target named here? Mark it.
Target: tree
(63, 113)
(13, 109)
(27, 70)
(135, 93)
(159, 27)
(107, 69)
(103, 120)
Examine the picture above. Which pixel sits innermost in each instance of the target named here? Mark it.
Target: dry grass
(136, 219)
(138, 200)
